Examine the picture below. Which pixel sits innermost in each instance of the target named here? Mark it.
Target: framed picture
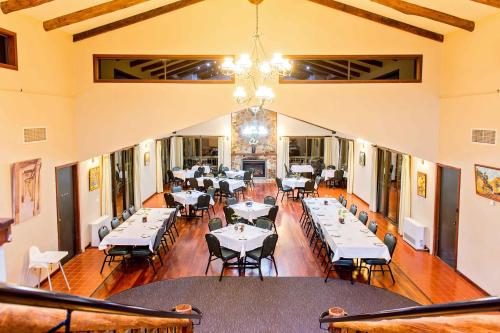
(362, 158)
(94, 178)
(26, 189)
(147, 158)
(422, 184)
(487, 181)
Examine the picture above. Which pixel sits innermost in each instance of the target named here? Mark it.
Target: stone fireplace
(260, 129)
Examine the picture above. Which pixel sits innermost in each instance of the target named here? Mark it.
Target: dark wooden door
(448, 209)
(67, 217)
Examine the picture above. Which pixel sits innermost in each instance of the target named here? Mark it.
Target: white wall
(363, 174)
(90, 202)
(148, 172)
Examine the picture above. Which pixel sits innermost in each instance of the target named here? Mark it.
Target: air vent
(484, 136)
(35, 134)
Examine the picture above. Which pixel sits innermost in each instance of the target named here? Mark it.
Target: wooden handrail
(475, 306)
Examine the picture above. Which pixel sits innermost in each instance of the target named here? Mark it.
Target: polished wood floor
(419, 275)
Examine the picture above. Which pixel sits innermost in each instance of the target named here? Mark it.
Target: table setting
(251, 210)
(241, 237)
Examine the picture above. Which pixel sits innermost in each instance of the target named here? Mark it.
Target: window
(352, 69)
(204, 150)
(306, 150)
(165, 158)
(122, 164)
(8, 49)
(343, 154)
(159, 69)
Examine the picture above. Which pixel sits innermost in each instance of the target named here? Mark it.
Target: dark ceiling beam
(323, 70)
(184, 68)
(341, 69)
(380, 19)
(88, 13)
(10, 6)
(376, 63)
(134, 19)
(138, 62)
(153, 66)
(409, 8)
(493, 3)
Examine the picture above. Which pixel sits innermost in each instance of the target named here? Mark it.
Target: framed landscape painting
(422, 184)
(26, 189)
(94, 178)
(487, 181)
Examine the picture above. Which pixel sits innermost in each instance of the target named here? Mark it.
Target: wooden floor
(419, 276)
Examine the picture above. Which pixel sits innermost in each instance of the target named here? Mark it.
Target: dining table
(234, 184)
(348, 239)
(234, 173)
(241, 237)
(302, 168)
(251, 210)
(183, 174)
(330, 173)
(135, 232)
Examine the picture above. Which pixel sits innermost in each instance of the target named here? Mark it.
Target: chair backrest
(269, 200)
(102, 232)
(176, 169)
(158, 238)
(207, 183)
(125, 215)
(211, 192)
(131, 209)
(363, 217)
(338, 174)
(317, 181)
(197, 174)
(214, 224)
(344, 202)
(279, 183)
(201, 170)
(390, 240)
(213, 245)
(353, 209)
(331, 167)
(228, 214)
(176, 189)
(273, 212)
(309, 186)
(247, 175)
(224, 169)
(224, 187)
(170, 175)
(373, 226)
(341, 198)
(192, 183)
(169, 200)
(231, 201)
(264, 223)
(269, 245)
(115, 222)
(203, 201)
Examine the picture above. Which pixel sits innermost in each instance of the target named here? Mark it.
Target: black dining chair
(363, 217)
(131, 209)
(344, 202)
(214, 224)
(201, 170)
(264, 223)
(231, 201)
(390, 241)
(171, 203)
(172, 180)
(264, 252)
(331, 167)
(215, 251)
(247, 178)
(197, 174)
(125, 215)
(338, 178)
(307, 190)
(340, 266)
(353, 209)
(341, 198)
(373, 227)
(224, 191)
(192, 183)
(146, 253)
(202, 204)
(228, 214)
(207, 182)
(211, 192)
(269, 200)
(272, 215)
(115, 222)
(283, 189)
(113, 252)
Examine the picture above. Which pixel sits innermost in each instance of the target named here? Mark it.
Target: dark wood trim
(486, 294)
(418, 69)
(12, 50)
(76, 204)
(97, 57)
(437, 201)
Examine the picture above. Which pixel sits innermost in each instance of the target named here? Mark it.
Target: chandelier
(253, 73)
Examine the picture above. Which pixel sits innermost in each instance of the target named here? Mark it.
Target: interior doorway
(389, 183)
(68, 216)
(447, 212)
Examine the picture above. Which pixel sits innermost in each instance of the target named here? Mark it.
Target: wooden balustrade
(21, 318)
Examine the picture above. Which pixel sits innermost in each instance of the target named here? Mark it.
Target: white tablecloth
(206, 167)
(234, 184)
(248, 240)
(251, 213)
(349, 240)
(301, 168)
(295, 182)
(134, 232)
(233, 174)
(186, 198)
(183, 174)
(329, 173)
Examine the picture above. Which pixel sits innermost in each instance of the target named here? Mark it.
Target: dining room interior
(249, 165)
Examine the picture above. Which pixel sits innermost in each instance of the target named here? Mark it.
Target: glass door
(389, 183)
(123, 180)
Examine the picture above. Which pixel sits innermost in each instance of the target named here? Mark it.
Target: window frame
(308, 153)
(418, 70)
(12, 62)
(97, 57)
(199, 155)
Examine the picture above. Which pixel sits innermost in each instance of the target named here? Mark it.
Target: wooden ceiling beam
(376, 63)
(341, 69)
(380, 19)
(493, 3)
(353, 65)
(409, 8)
(134, 19)
(88, 13)
(152, 66)
(138, 62)
(321, 69)
(10, 6)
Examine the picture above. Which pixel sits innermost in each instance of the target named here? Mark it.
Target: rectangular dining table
(252, 211)
(302, 168)
(134, 232)
(350, 239)
(249, 239)
(183, 174)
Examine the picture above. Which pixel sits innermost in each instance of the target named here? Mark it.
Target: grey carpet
(246, 304)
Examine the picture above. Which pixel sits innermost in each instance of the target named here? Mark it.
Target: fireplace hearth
(259, 167)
